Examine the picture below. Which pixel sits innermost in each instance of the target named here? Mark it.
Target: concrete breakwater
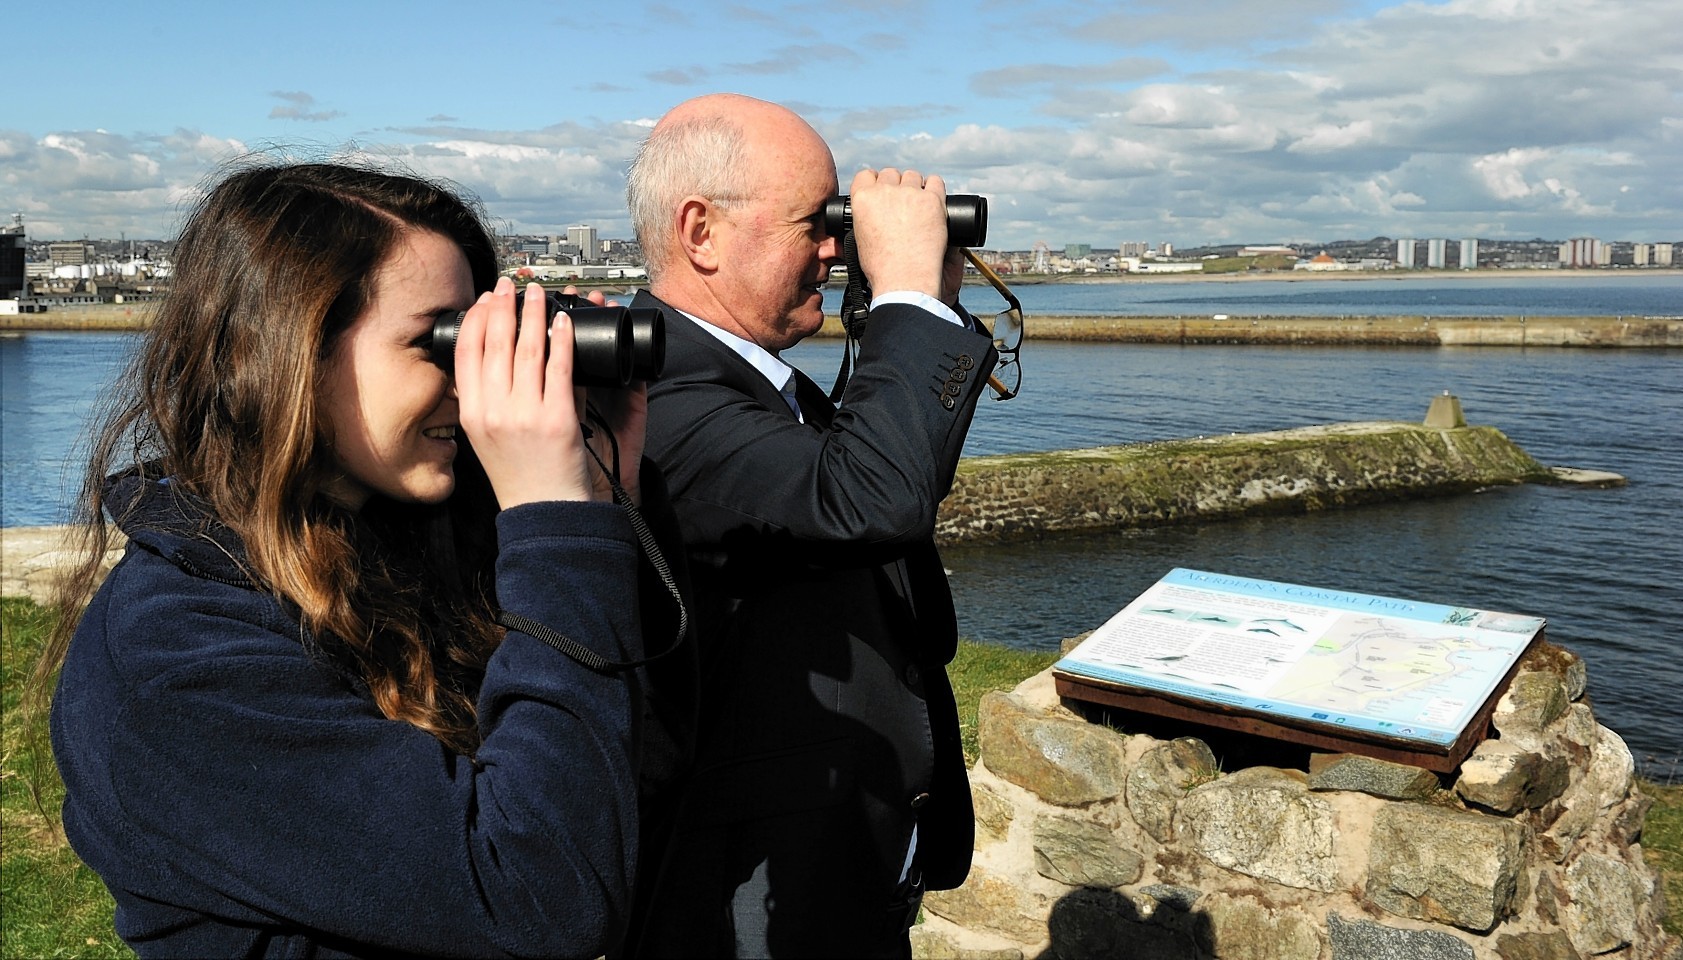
(1411, 331)
(1021, 496)
(1422, 331)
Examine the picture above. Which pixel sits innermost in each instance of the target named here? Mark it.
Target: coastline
(1194, 329)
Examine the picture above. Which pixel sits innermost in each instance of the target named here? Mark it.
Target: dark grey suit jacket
(826, 722)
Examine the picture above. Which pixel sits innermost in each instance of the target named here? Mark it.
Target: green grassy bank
(53, 906)
(50, 904)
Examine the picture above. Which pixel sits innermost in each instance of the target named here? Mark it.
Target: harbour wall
(1025, 496)
(1424, 331)
(1405, 331)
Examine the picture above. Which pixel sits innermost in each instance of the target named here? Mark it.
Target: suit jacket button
(914, 676)
(919, 800)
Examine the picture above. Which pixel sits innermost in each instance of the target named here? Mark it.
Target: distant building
(1469, 253)
(70, 253)
(622, 250)
(14, 282)
(1136, 265)
(1662, 254)
(1434, 253)
(1641, 254)
(1133, 249)
(583, 237)
(1320, 262)
(1266, 251)
(1075, 251)
(1405, 254)
(1584, 252)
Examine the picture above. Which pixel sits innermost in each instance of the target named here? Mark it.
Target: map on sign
(1380, 666)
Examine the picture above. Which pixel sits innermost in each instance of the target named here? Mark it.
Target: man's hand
(900, 227)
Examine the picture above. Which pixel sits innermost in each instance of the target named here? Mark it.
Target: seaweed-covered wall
(1284, 471)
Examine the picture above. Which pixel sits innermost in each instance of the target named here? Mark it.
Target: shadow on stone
(1093, 924)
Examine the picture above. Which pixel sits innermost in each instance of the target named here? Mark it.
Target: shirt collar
(758, 357)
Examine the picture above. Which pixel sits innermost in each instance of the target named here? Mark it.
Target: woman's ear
(697, 218)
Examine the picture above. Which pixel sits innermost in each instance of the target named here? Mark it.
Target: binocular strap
(855, 310)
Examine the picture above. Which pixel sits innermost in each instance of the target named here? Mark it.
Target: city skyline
(1225, 123)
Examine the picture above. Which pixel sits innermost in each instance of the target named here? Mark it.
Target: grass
(980, 667)
(50, 904)
(53, 906)
(1662, 845)
(1242, 264)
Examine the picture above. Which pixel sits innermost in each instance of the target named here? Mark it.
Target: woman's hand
(626, 412)
(518, 404)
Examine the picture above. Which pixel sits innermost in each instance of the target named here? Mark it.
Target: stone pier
(1015, 496)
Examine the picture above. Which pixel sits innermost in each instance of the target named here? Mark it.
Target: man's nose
(829, 248)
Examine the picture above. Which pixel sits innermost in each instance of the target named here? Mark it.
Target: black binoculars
(612, 346)
(967, 218)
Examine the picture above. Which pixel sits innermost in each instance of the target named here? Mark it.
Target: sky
(1220, 121)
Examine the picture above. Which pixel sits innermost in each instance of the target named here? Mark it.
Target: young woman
(287, 722)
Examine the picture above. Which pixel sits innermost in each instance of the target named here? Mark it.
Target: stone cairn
(1097, 843)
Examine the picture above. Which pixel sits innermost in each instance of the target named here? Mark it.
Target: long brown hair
(223, 397)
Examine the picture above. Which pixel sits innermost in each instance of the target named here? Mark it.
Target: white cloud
(1228, 120)
(1504, 174)
(1187, 107)
(300, 106)
(1326, 137)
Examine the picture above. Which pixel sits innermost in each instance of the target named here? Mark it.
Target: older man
(829, 787)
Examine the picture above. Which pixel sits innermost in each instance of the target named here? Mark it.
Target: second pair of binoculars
(967, 218)
(612, 346)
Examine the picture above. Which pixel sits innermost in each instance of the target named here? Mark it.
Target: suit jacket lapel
(815, 403)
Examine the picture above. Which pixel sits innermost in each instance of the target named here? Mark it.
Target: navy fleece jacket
(239, 798)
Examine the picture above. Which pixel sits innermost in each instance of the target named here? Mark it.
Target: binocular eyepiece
(612, 346)
(967, 218)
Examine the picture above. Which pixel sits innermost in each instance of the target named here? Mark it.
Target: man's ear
(697, 219)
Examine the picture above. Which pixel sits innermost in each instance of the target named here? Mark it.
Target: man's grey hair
(703, 156)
